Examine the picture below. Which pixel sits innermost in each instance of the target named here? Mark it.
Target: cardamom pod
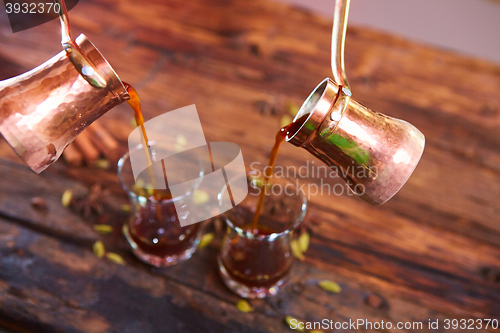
(205, 240)
(297, 253)
(66, 198)
(304, 242)
(244, 306)
(98, 249)
(330, 286)
(102, 228)
(115, 257)
(294, 323)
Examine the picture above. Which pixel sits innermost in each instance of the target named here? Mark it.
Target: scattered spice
(125, 208)
(266, 107)
(293, 109)
(330, 286)
(295, 288)
(93, 202)
(293, 323)
(257, 182)
(254, 49)
(206, 240)
(297, 253)
(374, 301)
(285, 120)
(66, 198)
(116, 258)
(103, 219)
(38, 203)
(244, 306)
(303, 242)
(103, 228)
(102, 163)
(98, 249)
(200, 197)
(491, 274)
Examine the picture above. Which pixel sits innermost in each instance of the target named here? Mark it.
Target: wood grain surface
(432, 252)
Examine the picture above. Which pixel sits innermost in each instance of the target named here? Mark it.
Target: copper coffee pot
(43, 110)
(373, 153)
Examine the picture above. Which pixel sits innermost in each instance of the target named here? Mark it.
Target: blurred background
(467, 26)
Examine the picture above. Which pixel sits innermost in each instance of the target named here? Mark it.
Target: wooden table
(432, 252)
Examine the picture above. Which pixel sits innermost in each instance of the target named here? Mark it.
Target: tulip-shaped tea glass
(153, 228)
(255, 261)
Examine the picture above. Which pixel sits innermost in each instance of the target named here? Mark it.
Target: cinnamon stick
(104, 141)
(89, 151)
(120, 129)
(72, 155)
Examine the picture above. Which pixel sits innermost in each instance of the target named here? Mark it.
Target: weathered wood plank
(50, 286)
(370, 259)
(19, 185)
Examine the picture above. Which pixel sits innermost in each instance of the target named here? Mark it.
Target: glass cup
(255, 262)
(153, 228)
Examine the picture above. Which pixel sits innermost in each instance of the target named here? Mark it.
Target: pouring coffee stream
(281, 136)
(135, 104)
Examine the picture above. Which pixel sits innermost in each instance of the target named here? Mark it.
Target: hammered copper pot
(43, 110)
(373, 153)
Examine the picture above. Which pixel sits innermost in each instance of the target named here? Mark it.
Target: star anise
(92, 203)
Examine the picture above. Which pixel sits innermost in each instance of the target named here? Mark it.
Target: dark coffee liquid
(282, 134)
(257, 263)
(135, 104)
(161, 238)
